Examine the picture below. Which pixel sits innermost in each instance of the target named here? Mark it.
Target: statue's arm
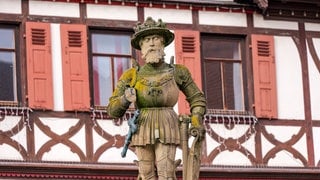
(118, 104)
(194, 95)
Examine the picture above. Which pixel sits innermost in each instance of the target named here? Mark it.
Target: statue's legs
(165, 160)
(146, 156)
(163, 154)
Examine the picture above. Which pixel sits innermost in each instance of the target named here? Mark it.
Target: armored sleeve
(118, 104)
(194, 95)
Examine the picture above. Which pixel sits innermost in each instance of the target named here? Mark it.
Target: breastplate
(157, 90)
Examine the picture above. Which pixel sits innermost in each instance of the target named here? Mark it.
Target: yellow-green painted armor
(157, 90)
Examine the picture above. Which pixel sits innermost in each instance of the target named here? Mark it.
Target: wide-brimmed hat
(151, 27)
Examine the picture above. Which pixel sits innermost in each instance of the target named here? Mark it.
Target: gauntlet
(130, 94)
(196, 117)
(196, 122)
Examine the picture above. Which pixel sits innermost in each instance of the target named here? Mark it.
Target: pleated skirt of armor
(157, 125)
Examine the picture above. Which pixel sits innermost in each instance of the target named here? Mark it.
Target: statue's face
(152, 49)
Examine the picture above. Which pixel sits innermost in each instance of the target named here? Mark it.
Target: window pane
(7, 77)
(233, 86)
(213, 82)
(238, 87)
(111, 44)
(102, 77)
(120, 65)
(7, 38)
(111, 54)
(102, 80)
(222, 49)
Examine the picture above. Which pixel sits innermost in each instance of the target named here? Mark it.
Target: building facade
(258, 63)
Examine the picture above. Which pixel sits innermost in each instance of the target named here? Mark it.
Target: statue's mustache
(151, 49)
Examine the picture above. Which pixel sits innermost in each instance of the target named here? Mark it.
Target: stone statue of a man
(154, 88)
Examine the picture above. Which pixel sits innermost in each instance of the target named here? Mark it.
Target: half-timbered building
(257, 62)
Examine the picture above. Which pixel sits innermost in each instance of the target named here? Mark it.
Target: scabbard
(184, 135)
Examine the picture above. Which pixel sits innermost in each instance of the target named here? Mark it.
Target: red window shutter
(264, 75)
(187, 50)
(75, 67)
(39, 65)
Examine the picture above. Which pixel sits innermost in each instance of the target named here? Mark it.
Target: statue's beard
(153, 56)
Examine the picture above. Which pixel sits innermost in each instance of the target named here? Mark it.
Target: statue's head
(151, 37)
(151, 27)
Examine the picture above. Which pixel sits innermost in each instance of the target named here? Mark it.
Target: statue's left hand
(196, 123)
(196, 120)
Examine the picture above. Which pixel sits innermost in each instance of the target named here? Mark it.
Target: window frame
(243, 63)
(91, 54)
(18, 76)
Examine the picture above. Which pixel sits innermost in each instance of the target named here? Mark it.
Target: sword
(184, 135)
(190, 156)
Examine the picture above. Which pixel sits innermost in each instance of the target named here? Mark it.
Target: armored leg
(146, 162)
(165, 160)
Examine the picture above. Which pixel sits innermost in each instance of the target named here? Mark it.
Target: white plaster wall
(60, 152)
(46, 8)
(112, 12)
(169, 15)
(284, 159)
(7, 152)
(223, 18)
(289, 79)
(40, 138)
(259, 22)
(316, 142)
(312, 27)
(283, 134)
(58, 104)
(170, 51)
(10, 6)
(233, 157)
(113, 154)
(314, 79)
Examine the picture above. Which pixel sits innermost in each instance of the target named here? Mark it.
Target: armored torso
(157, 93)
(156, 88)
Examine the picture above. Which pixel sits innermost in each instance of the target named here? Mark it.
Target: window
(111, 53)
(222, 65)
(8, 65)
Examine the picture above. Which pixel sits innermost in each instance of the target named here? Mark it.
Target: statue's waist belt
(156, 108)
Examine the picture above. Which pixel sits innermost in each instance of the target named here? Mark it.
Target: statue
(154, 88)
